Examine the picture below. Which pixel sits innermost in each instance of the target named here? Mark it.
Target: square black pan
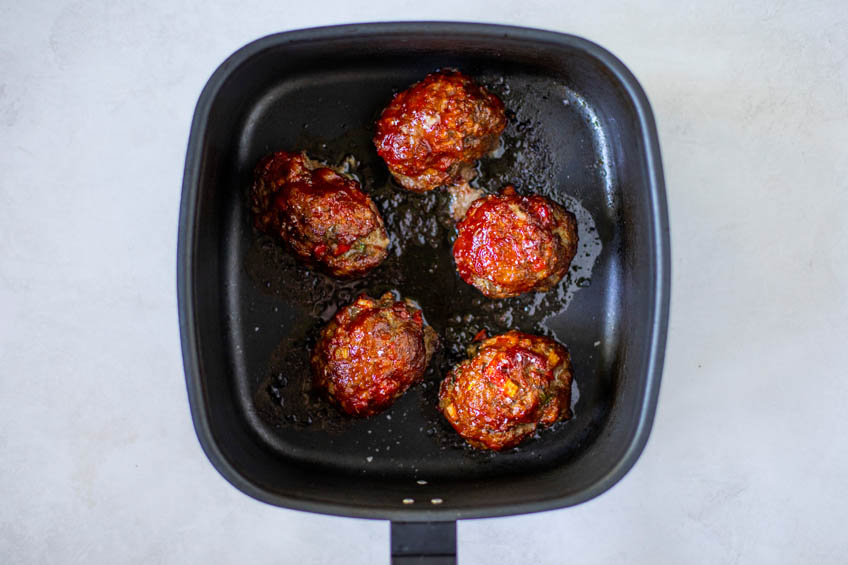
(581, 131)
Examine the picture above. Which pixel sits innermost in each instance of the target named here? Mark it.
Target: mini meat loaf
(322, 215)
(371, 352)
(508, 244)
(510, 385)
(431, 134)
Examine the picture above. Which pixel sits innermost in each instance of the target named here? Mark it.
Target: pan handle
(424, 543)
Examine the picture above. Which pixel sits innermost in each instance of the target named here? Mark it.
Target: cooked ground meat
(371, 352)
(432, 133)
(462, 196)
(509, 244)
(510, 385)
(322, 215)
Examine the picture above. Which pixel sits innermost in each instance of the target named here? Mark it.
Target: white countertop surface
(748, 458)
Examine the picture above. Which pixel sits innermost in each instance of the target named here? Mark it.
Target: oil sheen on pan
(420, 265)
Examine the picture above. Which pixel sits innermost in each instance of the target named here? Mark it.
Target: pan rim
(187, 244)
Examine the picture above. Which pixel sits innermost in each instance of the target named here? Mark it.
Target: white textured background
(748, 460)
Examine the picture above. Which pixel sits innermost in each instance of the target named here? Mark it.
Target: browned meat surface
(323, 216)
(371, 352)
(432, 133)
(510, 385)
(509, 244)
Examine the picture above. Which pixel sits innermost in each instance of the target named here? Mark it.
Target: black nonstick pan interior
(580, 132)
